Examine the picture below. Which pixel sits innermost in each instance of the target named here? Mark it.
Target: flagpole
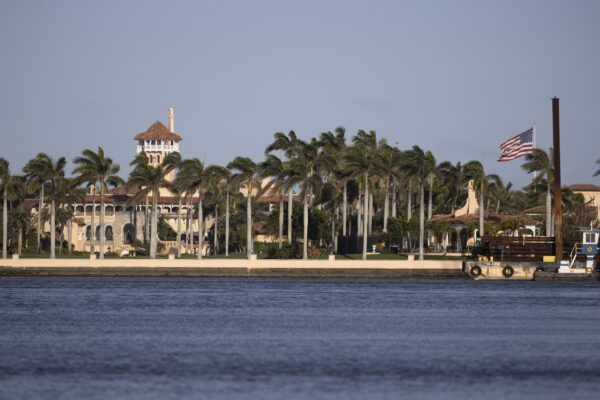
(534, 172)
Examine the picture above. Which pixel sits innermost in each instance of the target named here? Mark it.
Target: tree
(148, 180)
(171, 162)
(247, 174)
(274, 167)
(97, 169)
(453, 182)
(387, 162)
(289, 145)
(51, 171)
(36, 176)
(5, 179)
(360, 158)
(197, 176)
(420, 165)
(542, 162)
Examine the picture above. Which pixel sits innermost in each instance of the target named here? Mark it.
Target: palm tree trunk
(62, 237)
(5, 226)
(497, 206)
(386, 206)
(344, 209)
(333, 250)
(281, 219)
(370, 214)
(179, 228)
(227, 224)
(481, 212)
(20, 241)
(200, 226)
(146, 221)
(394, 201)
(290, 207)
(421, 218)
(70, 233)
(188, 236)
(215, 235)
(39, 220)
(305, 220)
(93, 230)
(408, 204)
(101, 222)
(153, 228)
(429, 205)
(365, 221)
(453, 206)
(359, 220)
(548, 212)
(52, 229)
(249, 222)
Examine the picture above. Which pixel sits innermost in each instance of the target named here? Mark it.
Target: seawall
(238, 268)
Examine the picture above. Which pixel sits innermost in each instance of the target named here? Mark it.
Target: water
(297, 339)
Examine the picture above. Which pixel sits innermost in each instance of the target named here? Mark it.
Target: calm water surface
(297, 339)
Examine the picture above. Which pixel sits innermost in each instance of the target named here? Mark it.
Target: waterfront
(261, 338)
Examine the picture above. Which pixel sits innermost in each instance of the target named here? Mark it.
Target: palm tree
(139, 159)
(247, 174)
(542, 162)
(474, 170)
(274, 167)
(173, 161)
(215, 176)
(73, 195)
(360, 158)
(231, 186)
(36, 176)
(501, 193)
(53, 173)
(453, 182)
(302, 170)
(5, 179)
(197, 176)
(148, 180)
(95, 168)
(420, 165)
(387, 160)
(289, 145)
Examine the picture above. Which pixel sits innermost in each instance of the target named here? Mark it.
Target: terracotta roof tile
(583, 187)
(157, 131)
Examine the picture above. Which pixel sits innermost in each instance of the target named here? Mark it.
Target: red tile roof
(157, 131)
(583, 187)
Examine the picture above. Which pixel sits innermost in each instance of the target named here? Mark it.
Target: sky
(454, 77)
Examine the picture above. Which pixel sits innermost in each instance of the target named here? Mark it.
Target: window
(151, 160)
(108, 233)
(158, 159)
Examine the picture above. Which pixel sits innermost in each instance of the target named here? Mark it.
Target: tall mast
(557, 185)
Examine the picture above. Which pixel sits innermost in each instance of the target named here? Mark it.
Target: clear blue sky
(454, 77)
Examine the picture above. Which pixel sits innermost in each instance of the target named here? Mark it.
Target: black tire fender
(508, 271)
(475, 271)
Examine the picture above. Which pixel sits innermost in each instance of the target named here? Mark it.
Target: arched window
(98, 232)
(151, 160)
(158, 159)
(108, 233)
(88, 233)
(128, 234)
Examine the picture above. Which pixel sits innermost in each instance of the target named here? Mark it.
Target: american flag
(517, 146)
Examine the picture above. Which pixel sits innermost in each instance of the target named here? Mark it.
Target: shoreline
(240, 268)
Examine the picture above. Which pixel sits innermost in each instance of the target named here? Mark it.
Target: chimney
(171, 121)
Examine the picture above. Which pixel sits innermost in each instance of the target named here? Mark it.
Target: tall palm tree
(542, 162)
(140, 159)
(96, 168)
(54, 173)
(171, 162)
(453, 182)
(274, 167)
(197, 176)
(216, 174)
(289, 145)
(230, 186)
(387, 160)
(474, 170)
(360, 158)
(36, 176)
(5, 179)
(247, 173)
(73, 194)
(303, 170)
(420, 164)
(148, 180)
